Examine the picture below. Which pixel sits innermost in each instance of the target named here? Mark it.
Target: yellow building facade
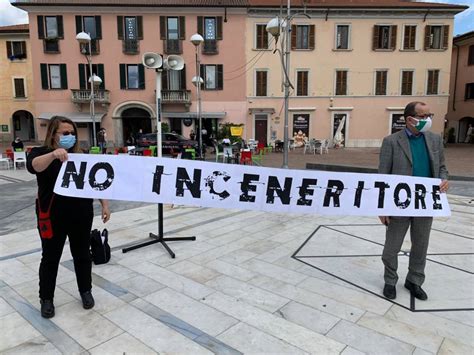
(16, 89)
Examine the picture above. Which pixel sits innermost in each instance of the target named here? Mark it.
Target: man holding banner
(413, 151)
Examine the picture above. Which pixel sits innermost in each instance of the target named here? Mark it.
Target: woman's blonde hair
(53, 126)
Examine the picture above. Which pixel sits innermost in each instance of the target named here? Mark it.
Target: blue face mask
(67, 142)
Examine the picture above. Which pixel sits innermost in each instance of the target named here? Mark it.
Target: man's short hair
(410, 109)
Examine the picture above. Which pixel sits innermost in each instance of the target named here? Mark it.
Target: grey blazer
(395, 155)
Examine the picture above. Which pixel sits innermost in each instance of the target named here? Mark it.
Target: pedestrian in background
(102, 140)
(17, 144)
(60, 216)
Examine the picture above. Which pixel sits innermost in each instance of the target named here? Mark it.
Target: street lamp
(197, 40)
(94, 80)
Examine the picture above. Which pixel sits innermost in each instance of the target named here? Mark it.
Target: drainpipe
(455, 76)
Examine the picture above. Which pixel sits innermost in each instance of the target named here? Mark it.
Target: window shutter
(59, 21)
(162, 27)
(393, 37)
(63, 72)
(264, 83)
(123, 82)
(219, 27)
(78, 24)
(182, 28)
(375, 38)
(101, 74)
(120, 27)
(164, 80)
(40, 20)
(139, 27)
(470, 57)
(200, 25)
(82, 77)
(445, 36)
(202, 73)
(44, 76)
(98, 27)
(23, 49)
(220, 77)
(9, 49)
(344, 82)
(427, 37)
(259, 41)
(141, 76)
(183, 78)
(312, 36)
(293, 36)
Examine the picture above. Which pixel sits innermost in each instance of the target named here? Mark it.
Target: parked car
(170, 141)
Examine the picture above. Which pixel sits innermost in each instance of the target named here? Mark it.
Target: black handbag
(100, 248)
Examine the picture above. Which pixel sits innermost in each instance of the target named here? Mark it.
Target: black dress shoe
(87, 300)
(47, 308)
(416, 291)
(390, 291)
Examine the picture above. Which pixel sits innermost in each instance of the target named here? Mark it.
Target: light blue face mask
(67, 142)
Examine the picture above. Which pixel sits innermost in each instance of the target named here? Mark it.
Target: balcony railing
(172, 46)
(176, 97)
(210, 46)
(81, 96)
(130, 46)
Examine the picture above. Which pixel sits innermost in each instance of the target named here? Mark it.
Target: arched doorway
(464, 124)
(23, 125)
(134, 119)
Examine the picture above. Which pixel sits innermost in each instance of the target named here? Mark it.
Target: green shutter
(120, 27)
(59, 21)
(139, 27)
(220, 77)
(183, 78)
(164, 80)
(101, 74)
(40, 20)
(219, 27)
(98, 27)
(200, 25)
(44, 76)
(182, 27)
(202, 74)
(123, 82)
(63, 76)
(82, 77)
(141, 76)
(162, 27)
(78, 24)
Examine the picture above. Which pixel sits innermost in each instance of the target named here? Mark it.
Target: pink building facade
(125, 102)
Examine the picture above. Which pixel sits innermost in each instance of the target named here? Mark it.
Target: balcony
(95, 47)
(176, 97)
(172, 46)
(130, 46)
(82, 96)
(210, 47)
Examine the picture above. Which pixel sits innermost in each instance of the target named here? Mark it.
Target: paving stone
(194, 271)
(122, 344)
(39, 345)
(11, 336)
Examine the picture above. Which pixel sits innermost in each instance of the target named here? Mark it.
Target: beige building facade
(357, 66)
(16, 89)
(461, 102)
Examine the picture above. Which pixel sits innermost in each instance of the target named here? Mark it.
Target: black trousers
(78, 229)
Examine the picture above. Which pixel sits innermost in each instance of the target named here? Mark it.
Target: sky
(464, 22)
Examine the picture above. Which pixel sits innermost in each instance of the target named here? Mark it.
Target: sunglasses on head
(67, 133)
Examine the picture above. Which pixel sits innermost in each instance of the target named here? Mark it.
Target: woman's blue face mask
(67, 142)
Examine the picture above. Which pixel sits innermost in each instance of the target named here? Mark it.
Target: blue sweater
(420, 156)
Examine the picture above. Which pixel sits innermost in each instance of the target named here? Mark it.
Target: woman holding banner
(59, 216)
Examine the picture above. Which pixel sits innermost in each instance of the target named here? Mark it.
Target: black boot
(87, 300)
(47, 308)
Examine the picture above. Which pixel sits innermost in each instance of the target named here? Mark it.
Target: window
(381, 82)
(51, 26)
(19, 88)
(407, 82)
(93, 26)
(470, 58)
(261, 83)
(302, 36)
(210, 27)
(436, 37)
(84, 75)
(172, 32)
(342, 36)
(432, 84)
(53, 76)
(130, 28)
(469, 94)
(385, 37)
(409, 37)
(341, 82)
(213, 77)
(261, 40)
(132, 76)
(50, 30)
(302, 83)
(16, 50)
(174, 79)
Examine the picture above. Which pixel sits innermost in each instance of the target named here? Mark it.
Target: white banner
(197, 183)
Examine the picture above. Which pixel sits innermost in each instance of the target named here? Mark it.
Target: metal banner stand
(158, 238)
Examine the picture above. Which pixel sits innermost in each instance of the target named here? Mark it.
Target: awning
(78, 117)
(194, 114)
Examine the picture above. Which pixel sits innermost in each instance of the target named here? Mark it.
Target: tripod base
(161, 240)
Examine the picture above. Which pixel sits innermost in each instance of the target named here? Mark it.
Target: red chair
(260, 147)
(9, 154)
(147, 153)
(246, 157)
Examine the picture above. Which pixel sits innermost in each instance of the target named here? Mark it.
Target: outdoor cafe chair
(19, 158)
(246, 157)
(228, 155)
(219, 152)
(94, 150)
(257, 158)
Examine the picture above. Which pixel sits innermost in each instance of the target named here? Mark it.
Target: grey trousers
(420, 228)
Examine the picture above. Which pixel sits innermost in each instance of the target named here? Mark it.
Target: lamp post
(94, 80)
(197, 40)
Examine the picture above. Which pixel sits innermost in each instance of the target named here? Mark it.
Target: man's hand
(384, 220)
(444, 186)
(60, 154)
(105, 210)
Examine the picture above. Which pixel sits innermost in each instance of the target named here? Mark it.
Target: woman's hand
(60, 154)
(105, 210)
